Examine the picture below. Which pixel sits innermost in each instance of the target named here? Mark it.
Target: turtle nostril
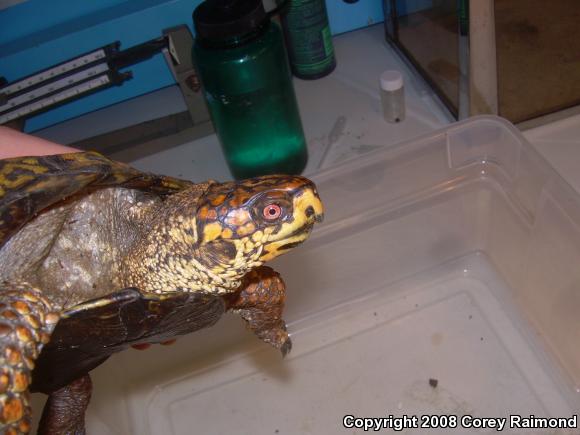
(309, 211)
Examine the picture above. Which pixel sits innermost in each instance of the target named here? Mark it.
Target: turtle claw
(286, 347)
(276, 337)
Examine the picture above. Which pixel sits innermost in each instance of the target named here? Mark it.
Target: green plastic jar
(243, 68)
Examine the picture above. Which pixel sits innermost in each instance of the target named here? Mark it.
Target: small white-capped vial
(392, 96)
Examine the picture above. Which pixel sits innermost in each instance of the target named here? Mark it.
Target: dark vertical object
(463, 12)
(308, 37)
(390, 13)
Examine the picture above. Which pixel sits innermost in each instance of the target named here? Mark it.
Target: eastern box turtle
(96, 256)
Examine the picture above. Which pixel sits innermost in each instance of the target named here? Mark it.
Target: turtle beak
(313, 216)
(318, 218)
(315, 211)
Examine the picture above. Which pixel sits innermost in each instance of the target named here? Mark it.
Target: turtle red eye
(272, 211)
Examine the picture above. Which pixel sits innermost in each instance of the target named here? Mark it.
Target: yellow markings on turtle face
(306, 199)
(238, 217)
(246, 229)
(212, 231)
(257, 236)
(301, 202)
(239, 244)
(249, 245)
(273, 249)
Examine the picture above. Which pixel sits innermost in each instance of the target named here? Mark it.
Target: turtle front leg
(26, 322)
(64, 412)
(260, 302)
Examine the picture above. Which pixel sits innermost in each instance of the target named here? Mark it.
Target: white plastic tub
(455, 258)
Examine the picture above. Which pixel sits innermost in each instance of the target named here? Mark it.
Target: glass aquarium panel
(428, 34)
(538, 56)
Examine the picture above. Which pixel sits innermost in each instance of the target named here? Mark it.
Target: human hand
(14, 144)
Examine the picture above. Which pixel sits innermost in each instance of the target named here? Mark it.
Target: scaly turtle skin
(96, 256)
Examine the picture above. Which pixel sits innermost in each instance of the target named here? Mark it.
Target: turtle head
(207, 239)
(257, 219)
